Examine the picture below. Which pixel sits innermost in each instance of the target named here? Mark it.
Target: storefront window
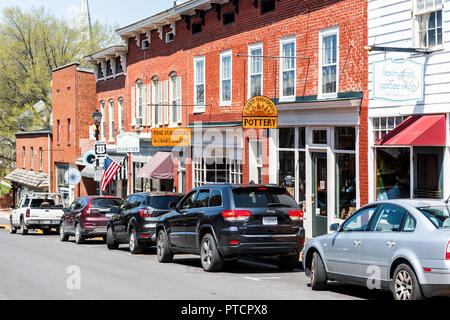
(287, 170)
(393, 173)
(346, 184)
(221, 170)
(345, 138)
(301, 137)
(319, 137)
(287, 138)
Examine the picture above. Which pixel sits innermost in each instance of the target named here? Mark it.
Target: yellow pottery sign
(171, 137)
(260, 113)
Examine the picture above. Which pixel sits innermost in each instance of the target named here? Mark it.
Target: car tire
(135, 246)
(79, 239)
(318, 273)
(289, 262)
(404, 285)
(12, 229)
(63, 236)
(23, 228)
(46, 232)
(111, 243)
(163, 251)
(210, 257)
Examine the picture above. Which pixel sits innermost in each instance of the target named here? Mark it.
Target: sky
(114, 12)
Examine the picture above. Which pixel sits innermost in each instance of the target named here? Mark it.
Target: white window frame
(167, 36)
(226, 54)
(139, 98)
(155, 101)
(32, 159)
(103, 122)
(284, 41)
(416, 26)
(166, 101)
(160, 103)
(175, 100)
(252, 47)
(199, 108)
(149, 105)
(120, 115)
(111, 132)
(322, 34)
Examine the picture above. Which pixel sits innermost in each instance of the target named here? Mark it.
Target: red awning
(159, 167)
(418, 131)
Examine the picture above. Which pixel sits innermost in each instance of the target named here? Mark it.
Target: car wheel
(135, 247)
(288, 262)
(163, 251)
(318, 273)
(63, 236)
(79, 239)
(111, 243)
(210, 257)
(405, 285)
(23, 228)
(12, 229)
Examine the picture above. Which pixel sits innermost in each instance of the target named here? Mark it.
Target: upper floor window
(267, 6)
(23, 157)
(170, 36)
(103, 123)
(175, 94)
(328, 62)
(40, 159)
(69, 132)
(111, 120)
(119, 66)
(139, 98)
(145, 44)
(288, 66)
(225, 77)
(428, 23)
(196, 27)
(109, 70)
(58, 131)
(32, 159)
(199, 84)
(255, 69)
(100, 71)
(121, 115)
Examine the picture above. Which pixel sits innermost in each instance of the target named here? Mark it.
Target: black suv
(224, 222)
(135, 221)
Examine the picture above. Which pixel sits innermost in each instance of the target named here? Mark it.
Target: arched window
(139, 99)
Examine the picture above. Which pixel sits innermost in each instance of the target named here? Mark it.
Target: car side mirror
(335, 227)
(65, 210)
(173, 205)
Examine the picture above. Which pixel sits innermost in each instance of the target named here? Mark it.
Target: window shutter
(171, 99)
(149, 103)
(155, 101)
(166, 102)
(144, 104)
(160, 102)
(133, 105)
(178, 97)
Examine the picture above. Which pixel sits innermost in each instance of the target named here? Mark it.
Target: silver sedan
(397, 245)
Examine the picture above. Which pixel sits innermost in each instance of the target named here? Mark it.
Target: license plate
(270, 221)
(46, 222)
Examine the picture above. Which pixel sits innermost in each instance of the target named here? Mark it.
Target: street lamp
(97, 116)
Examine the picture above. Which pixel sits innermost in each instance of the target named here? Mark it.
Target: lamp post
(97, 117)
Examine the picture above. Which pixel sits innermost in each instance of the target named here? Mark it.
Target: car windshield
(42, 203)
(263, 198)
(105, 203)
(438, 215)
(162, 202)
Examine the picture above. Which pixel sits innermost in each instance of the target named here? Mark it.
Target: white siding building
(410, 93)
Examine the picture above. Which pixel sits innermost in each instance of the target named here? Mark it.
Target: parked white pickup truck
(37, 211)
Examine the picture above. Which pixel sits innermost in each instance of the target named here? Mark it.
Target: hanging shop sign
(260, 113)
(128, 142)
(171, 137)
(398, 80)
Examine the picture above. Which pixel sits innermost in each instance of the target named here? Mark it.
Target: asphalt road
(42, 267)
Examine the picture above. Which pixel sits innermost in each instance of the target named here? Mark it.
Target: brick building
(196, 64)
(74, 101)
(33, 171)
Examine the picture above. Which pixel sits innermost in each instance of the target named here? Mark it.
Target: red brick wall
(36, 141)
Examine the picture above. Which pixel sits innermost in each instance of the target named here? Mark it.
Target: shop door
(428, 164)
(319, 194)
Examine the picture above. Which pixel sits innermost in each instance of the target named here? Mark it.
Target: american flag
(110, 169)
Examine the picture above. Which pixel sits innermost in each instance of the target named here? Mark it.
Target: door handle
(391, 244)
(357, 243)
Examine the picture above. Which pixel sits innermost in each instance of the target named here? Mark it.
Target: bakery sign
(260, 113)
(401, 80)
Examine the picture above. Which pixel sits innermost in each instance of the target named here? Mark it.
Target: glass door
(319, 195)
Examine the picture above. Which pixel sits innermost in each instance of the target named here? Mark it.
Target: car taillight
(296, 215)
(236, 215)
(447, 252)
(27, 214)
(145, 213)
